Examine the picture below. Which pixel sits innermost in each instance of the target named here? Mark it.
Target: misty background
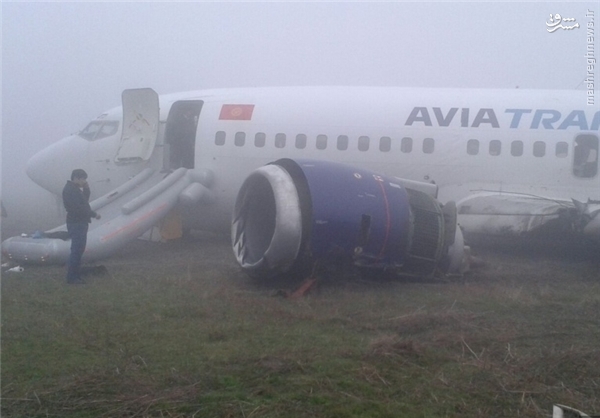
(65, 63)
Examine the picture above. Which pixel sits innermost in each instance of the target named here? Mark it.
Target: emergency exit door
(140, 125)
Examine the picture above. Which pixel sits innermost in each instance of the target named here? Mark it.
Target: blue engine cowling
(292, 214)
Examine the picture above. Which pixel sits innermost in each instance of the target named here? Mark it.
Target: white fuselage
(465, 141)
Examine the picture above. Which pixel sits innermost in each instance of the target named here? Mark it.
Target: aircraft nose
(52, 166)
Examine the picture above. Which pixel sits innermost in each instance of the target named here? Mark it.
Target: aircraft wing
(515, 214)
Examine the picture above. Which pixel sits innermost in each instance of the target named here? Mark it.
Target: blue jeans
(78, 234)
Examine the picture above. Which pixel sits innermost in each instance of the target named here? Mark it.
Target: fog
(65, 63)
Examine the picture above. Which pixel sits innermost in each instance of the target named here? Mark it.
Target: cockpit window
(99, 129)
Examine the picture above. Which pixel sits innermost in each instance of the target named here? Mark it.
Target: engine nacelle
(292, 214)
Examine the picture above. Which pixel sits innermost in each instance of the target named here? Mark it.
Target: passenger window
(539, 149)
(406, 145)
(385, 144)
(300, 141)
(220, 138)
(363, 143)
(516, 148)
(240, 139)
(495, 147)
(321, 141)
(562, 149)
(472, 147)
(428, 145)
(279, 140)
(585, 156)
(342, 142)
(259, 139)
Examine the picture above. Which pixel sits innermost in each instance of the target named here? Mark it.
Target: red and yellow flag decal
(236, 112)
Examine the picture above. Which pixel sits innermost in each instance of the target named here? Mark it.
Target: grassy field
(176, 330)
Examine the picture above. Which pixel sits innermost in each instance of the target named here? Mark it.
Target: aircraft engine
(292, 215)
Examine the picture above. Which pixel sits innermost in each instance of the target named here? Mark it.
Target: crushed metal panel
(591, 219)
(562, 411)
(509, 214)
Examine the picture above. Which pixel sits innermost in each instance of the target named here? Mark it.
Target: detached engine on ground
(291, 215)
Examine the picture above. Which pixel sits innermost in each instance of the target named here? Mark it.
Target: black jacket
(76, 204)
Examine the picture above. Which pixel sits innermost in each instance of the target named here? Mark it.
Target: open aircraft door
(585, 156)
(140, 125)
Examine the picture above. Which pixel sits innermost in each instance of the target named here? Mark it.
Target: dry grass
(178, 331)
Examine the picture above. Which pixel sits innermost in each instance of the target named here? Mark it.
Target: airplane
(377, 177)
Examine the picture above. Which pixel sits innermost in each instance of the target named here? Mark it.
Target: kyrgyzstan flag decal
(236, 112)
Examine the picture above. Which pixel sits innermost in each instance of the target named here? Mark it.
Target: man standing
(76, 195)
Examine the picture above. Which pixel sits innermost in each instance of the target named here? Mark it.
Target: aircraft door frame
(180, 133)
(585, 155)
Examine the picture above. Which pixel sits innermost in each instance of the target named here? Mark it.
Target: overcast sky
(65, 63)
